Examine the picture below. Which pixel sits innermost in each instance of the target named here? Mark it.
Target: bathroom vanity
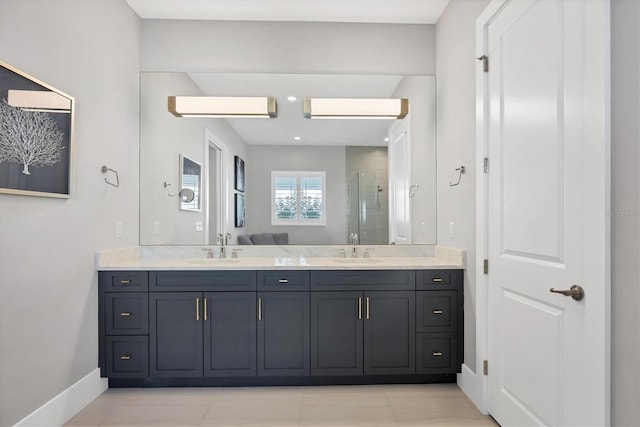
(265, 321)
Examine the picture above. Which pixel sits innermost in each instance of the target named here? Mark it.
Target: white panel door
(399, 182)
(547, 218)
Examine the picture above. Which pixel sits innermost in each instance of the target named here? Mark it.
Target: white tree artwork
(30, 138)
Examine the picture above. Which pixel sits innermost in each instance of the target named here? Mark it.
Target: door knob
(576, 292)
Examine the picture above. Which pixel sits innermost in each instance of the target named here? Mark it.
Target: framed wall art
(239, 198)
(36, 136)
(239, 174)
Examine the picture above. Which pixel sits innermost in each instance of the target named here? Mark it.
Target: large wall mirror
(380, 174)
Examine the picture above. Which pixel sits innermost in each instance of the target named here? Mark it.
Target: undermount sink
(214, 261)
(358, 260)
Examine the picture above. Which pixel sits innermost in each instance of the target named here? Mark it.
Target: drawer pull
(438, 311)
(359, 308)
(126, 357)
(125, 314)
(437, 353)
(205, 309)
(437, 279)
(259, 308)
(284, 281)
(125, 282)
(367, 308)
(198, 309)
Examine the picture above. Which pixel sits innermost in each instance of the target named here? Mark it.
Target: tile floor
(378, 405)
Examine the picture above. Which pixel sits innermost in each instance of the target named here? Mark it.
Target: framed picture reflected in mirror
(239, 174)
(239, 199)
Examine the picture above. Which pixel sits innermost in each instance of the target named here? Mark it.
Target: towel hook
(462, 170)
(413, 189)
(167, 185)
(105, 170)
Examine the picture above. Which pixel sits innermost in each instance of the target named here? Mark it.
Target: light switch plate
(118, 229)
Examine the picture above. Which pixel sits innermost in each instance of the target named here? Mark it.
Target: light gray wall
(625, 215)
(262, 159)
(288, 47)
(456, 116)
(48, 283)
(163, 138)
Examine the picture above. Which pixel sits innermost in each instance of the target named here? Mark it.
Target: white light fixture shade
(215, 106)
(355, 108)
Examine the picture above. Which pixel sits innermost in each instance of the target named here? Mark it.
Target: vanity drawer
(436, 353)
(206, 281)
(434, 279)
(124, 281)
(127, 313)
(436, 311)
(127, 357)
(293, 280)
(363, 280)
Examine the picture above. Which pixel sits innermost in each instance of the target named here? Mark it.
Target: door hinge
(486, 165)
(485, 63)
(485, 367)
(486, 266)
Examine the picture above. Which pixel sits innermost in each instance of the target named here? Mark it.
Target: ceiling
(367, 11)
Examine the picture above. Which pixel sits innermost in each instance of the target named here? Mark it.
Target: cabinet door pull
(283, 281)
(437, 279)
(359, 308)
(437, 353)
(367, 308)
(197, 308)
(205, 309)
(125, 314)
(438, 311)
(125, 282)
(126, 357)
(259, 308)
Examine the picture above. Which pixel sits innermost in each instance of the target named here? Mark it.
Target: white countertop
(188, 259)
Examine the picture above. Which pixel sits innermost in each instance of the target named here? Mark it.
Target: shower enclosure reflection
(368, 207)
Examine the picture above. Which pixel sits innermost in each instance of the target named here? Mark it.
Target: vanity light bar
(355, 108)
(216, 106)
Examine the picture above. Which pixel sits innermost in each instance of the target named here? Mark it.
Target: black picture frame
(239, 202)
(35, 106)
(239, 174)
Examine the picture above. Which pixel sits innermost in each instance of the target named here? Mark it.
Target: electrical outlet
(156, 228)
(118, 229)
(198, 226)
(452, 230)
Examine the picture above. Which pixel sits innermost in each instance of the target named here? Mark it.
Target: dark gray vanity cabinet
(440, 334)
(357, 331)
(123, 324)
(176, 334)
(283, 323)
(337, 333)
(248, 327)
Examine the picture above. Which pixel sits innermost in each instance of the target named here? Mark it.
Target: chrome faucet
(209, 252)
(222, 241)
(354, 242)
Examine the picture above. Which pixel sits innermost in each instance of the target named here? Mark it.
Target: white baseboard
(471, 384)
(65, 405)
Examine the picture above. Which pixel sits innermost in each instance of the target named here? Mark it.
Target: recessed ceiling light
(297, 138)
(292, 98)
(386, 139)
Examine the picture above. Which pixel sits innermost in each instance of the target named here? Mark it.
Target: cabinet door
(336, 333)
(389, 332)
(175, 334)
(283, 333)
(229, 333)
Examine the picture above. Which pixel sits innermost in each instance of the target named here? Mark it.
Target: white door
(399, 183)
(547, 219)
